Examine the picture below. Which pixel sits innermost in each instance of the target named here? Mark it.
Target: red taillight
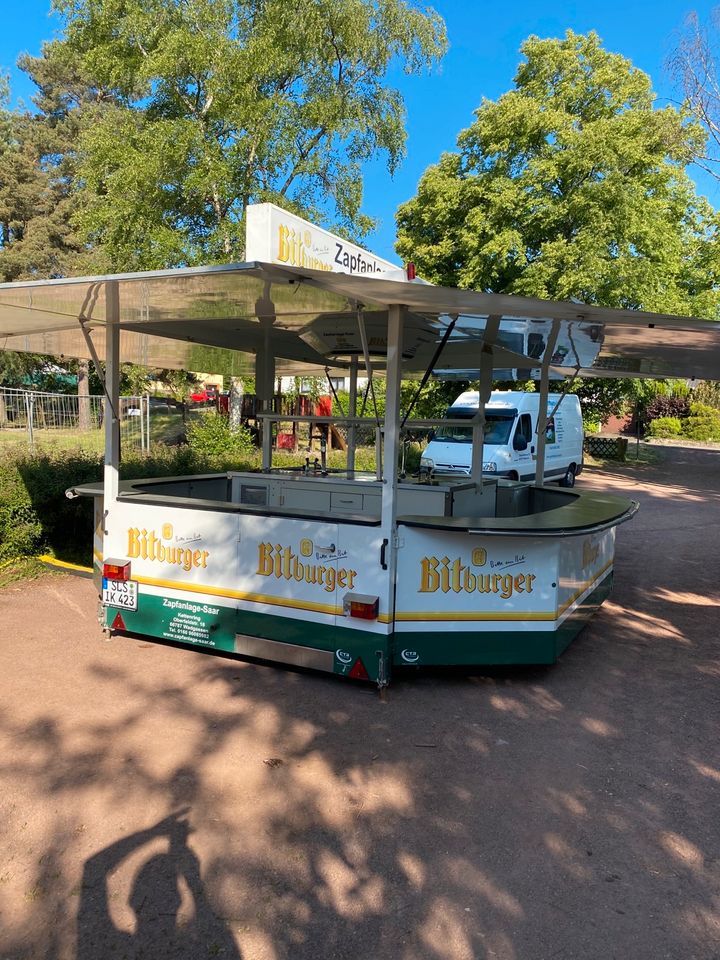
(116, 569)
(364, 611)
(358, 671)
(410, 271)
(361, 605)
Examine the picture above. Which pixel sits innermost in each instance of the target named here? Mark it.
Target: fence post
(147, 425)
(83, 395)
(142, 425)
(29, 409)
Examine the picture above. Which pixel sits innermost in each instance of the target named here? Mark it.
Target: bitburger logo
(281, 562)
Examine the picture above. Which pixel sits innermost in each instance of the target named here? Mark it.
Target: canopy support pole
(492, 328)
(264, 383)
(396, 316)
(369, 371)
(112, 393)
(430, 367)
(542, 420)
(87, 334)
(352, 412)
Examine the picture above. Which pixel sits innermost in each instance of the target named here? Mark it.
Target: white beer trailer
(343, 571)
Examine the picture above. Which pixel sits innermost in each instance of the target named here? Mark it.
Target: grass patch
(49, 441)
(637, 456)
(24, 568)
(165, 428)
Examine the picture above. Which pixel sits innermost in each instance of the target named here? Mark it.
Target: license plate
(119, 593)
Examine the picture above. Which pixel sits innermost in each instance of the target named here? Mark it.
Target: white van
(510, 438)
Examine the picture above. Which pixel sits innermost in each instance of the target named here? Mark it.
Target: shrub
(703, 410)
(663, 406)
(665, 427)
(701, 428)
(35, 514)
(211, 436)
(679, 388)
(703, 424)
(708, 392)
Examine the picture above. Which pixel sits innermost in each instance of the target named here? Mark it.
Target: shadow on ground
(159, 802)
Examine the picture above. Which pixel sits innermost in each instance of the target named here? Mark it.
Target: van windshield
(497, 430)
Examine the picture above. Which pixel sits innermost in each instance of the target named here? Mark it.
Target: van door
(523, 447)
(555, 458)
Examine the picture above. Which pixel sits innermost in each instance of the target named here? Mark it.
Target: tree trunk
(235, 403)
(83, 394)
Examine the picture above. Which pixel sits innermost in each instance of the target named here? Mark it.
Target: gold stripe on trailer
(473, 615)
(239, 595)
(588, 583)
(481, 616)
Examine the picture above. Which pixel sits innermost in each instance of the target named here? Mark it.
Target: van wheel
(569, 479)
(513, 476)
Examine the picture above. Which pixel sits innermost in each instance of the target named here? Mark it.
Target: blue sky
(484, 43)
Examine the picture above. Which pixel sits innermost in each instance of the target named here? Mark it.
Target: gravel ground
(158, 802)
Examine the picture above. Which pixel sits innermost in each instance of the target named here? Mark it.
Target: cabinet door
(302, 498)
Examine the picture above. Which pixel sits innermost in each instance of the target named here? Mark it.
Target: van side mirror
(431, 435)
(520, 443)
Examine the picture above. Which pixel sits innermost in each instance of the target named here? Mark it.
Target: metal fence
(47, 415)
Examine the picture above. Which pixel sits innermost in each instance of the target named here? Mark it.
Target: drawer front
(346, 502)
(300, 499)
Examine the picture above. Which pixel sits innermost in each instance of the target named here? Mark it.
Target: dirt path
(522, 814)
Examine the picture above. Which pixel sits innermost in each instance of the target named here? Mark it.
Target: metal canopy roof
(214, 319)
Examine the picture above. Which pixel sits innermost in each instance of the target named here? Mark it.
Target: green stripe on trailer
(215, 627)
(347, 645)
(486, 648)
(194, 622)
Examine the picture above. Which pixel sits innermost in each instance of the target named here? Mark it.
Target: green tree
(16, 369)
(37, 194)
(694, 67)
(434, 398)
(213, 104)
(572, 184)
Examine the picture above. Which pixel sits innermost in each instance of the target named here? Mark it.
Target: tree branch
(303, 152)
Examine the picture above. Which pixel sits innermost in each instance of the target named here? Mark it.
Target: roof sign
(273, 235)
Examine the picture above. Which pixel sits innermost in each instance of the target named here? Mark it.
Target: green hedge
(35, 514)
(37, 517)
(210, 435)
(664, 427)
(703, 423)
(699, 422)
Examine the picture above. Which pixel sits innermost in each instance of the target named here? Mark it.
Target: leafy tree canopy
(695, 67)
(39, 192)
(204, 106)
(572, 184)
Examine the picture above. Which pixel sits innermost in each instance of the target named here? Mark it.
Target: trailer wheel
(569, 479)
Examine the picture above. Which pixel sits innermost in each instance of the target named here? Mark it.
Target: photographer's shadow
(155, 899)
